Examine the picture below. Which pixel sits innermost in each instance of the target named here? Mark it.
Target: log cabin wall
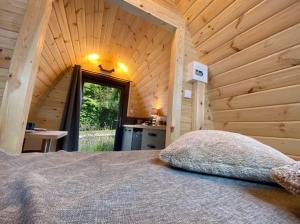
(77, 28)
(150, 79)
(149, 76)
(186, 108)
(11, 16)
(49, 111)
(253, 52)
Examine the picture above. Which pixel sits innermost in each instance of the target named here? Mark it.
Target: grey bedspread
(130, 187)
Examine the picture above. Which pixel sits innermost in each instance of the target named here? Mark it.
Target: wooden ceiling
(80, 27)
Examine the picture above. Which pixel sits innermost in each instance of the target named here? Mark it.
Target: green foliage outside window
(100, 106)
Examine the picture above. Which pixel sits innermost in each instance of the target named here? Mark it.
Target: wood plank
(281, 60)
(51, 44)
(264, 129)
(98, 20)
(289, 146)
(152, 11)
(175, 86)
(18, 93)
(184, 5)
(10, 21)
(286, 112)
(47, 75)
(212, 10)
(198, 97)
(285, 95)
(51, 60)
(195, 9)
(68, 30)
(80, 21)
(89, 18)
(58, 39)
(273, 44)
(4, 74)
(297, 158)
(5, 57)
(281, 78)
(8, 34)
(235, 10)
(191, 120)
(223, 43)
(107, 26)
(7, 43)
(7, 39)
(14, 6)
(48, 97)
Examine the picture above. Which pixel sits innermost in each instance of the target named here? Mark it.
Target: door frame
(166, 17)
(124, 87)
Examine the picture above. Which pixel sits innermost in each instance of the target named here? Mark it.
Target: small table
(48, 137)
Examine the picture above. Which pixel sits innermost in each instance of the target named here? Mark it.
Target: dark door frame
(123, 86)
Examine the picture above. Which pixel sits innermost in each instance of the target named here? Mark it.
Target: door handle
(151, 146)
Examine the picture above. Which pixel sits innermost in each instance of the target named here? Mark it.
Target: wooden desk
(49, 138)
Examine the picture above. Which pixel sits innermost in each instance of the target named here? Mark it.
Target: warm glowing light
(93, 57)
(122, 67)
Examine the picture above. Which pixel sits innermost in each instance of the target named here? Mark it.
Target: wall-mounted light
(122, 67)
(94, 57)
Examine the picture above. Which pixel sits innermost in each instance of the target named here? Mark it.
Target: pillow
(288, 177)
(224, 153)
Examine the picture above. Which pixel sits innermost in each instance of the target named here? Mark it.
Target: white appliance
(197, 72)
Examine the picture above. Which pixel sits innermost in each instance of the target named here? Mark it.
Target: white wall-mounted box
(197, 72)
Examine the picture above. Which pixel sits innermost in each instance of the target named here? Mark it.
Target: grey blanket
(130, 187)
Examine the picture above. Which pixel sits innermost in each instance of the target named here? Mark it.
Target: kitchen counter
(160, 127)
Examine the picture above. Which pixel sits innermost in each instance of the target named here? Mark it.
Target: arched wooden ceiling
(80, 27)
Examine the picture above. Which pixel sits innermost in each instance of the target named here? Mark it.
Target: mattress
(130, 187)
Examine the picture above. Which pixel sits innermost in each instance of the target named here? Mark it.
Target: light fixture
(154, 114)
(106, 70)
(93, 57)
(122, 67)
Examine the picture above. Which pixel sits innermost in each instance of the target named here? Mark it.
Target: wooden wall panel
(187, 104)
(253, 52)
(51, 109)
(270, 19)
(186, 109)
(11, 16)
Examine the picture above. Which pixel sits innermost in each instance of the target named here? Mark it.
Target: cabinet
(137, 137)
(153, 139)
(127, 139)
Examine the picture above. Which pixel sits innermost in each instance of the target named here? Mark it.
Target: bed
(130, 187)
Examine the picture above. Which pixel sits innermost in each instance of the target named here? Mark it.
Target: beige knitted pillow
(288, 177)
(224, 153)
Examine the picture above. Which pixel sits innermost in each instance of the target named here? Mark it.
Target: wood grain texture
(78, 28)
(11, 16)
(175, 86)
(253, 52)
(51, 108)
(23, 72)
(118, 34)
(187, 104)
